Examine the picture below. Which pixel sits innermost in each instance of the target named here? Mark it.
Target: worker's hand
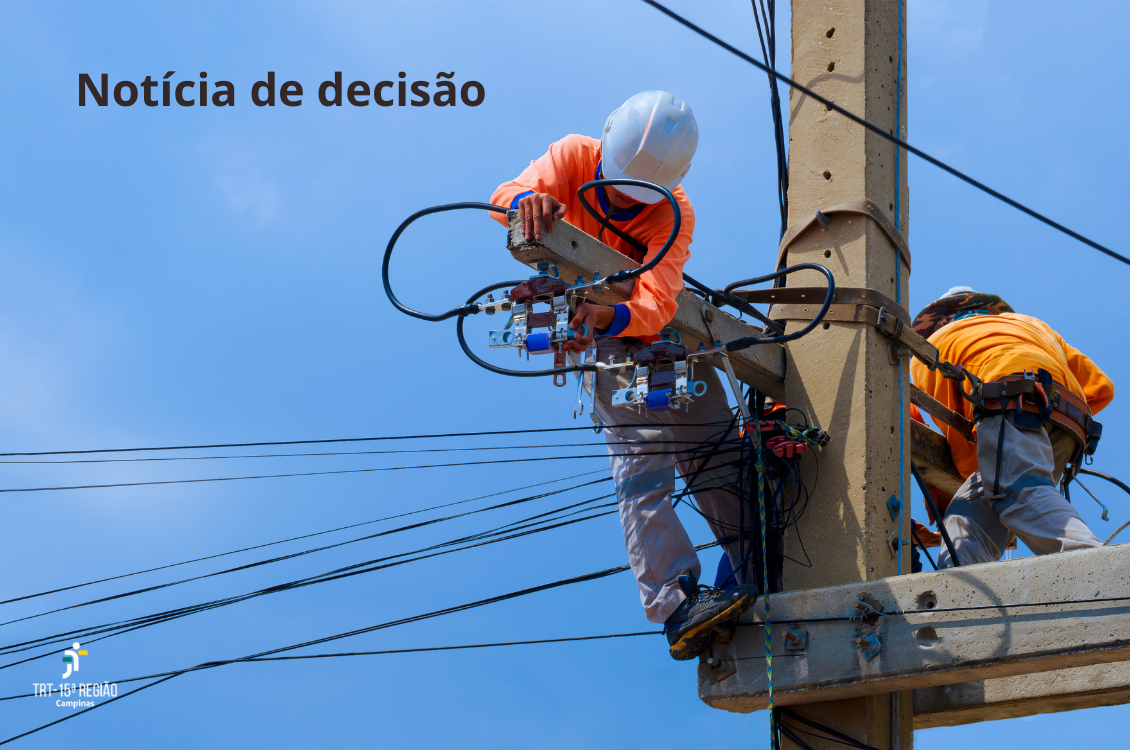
(592, 316)
(536, 208)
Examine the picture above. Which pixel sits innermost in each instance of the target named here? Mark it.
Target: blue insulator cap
(659, 400)
(537, 343)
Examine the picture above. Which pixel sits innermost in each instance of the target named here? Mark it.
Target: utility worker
(651, 137)
(1034, 417)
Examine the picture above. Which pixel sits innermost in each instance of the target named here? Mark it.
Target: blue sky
(179, 276)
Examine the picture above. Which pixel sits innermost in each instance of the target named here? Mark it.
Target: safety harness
(1035, 399)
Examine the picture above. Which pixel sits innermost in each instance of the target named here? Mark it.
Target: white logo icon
(70, 656)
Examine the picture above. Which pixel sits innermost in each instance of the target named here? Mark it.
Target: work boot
(691, 625)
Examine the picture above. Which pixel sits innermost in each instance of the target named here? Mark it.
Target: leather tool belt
(1048, 401)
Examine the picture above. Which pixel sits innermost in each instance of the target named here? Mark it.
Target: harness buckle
(974, 396)
(1094, 432)
(885, 314)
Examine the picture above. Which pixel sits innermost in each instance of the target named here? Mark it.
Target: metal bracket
(868, 645)
(894, 506)
(896, 353)
(547, 268)
(796, 639)
(708, 321)
(722, 668)
(893, 542)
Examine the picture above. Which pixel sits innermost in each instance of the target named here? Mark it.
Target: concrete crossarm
(1024, 695)
(927, 646)
(577, 253)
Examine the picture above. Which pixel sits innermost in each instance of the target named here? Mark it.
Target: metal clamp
(884, 316)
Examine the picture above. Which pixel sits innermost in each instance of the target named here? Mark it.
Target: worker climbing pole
(646, 386)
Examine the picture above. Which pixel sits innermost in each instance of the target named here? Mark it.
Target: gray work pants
(659, 549)
(1027, 506)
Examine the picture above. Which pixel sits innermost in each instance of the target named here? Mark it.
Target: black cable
(884, 134)
(1107, 477)
(329, 575)
(745, 343)
(587, 367)
(713, 296)
(768, 42)
(621, 276)
(109, 630)
(578, 579)
(348, 571)
(423, 649)
(922, 546)
(302, 553)
(786, 730)
(454, 312)
(839, 737)
(316, 533)
(321, 473)
(482, 433)
(210, 665)
(68, 717)
(331, 453)
(718, 299)
(360, 631)
(934, 509)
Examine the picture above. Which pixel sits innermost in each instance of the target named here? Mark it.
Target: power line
(259, 660)
(316, 533)
(136, 623)
(340, 453)
(345, 654)
(883, 133)
(369, 566)
(325, 473)
(302, 553)
(360, 631)
(482, 433)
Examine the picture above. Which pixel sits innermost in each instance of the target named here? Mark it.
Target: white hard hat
(652, 137)
(956, 290)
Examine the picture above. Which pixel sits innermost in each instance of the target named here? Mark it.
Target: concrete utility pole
(841, 375)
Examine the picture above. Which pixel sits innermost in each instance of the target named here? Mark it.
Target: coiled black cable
(622, 276)
(713, 296)
(588, 367)
(467, 309)
(748, 341)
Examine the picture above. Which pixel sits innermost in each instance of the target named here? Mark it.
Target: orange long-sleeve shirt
(570, 163)
(991, 346)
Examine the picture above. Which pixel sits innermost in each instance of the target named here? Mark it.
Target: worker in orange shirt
(652, 137)
(1037, 396)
